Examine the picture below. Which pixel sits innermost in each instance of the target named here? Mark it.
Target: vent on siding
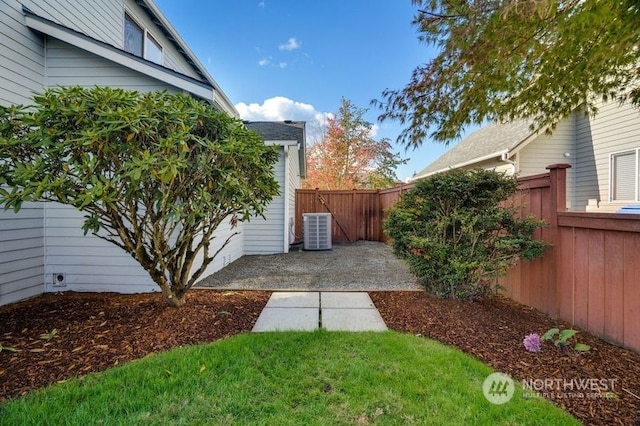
(317, 231)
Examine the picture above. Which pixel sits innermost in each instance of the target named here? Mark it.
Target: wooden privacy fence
(356, 214)
(589, 275)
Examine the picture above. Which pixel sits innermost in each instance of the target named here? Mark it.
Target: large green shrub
(458, 230)
(155, 173)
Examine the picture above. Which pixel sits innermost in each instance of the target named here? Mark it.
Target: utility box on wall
(316, 231)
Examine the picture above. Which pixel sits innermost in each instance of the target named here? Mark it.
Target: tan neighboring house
(119, 43)
(603, 153)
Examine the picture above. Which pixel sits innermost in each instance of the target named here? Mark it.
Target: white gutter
(463, 164)
(286, 220)
(281, 143)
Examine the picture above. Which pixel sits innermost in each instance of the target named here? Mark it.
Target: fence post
(558, 200)
(558, 176)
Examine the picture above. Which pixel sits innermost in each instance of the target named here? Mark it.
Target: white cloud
(261, 3)
(374, 130)
(264, 61)
(280, 108)
(291, 44)
(282, 65)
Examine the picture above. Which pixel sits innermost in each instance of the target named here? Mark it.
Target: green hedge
(460, 229)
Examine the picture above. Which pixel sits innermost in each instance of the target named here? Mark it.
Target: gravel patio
(361, 266)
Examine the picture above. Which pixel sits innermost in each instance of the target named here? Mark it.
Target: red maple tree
(348, 156)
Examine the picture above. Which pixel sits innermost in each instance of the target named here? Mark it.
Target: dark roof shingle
(278, 130)
(492, 139)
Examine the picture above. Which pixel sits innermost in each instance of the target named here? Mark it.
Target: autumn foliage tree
(348, 156)
(155, 173)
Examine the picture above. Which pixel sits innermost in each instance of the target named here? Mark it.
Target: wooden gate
(356, 214)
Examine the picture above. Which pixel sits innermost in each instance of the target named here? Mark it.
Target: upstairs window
(139, 42)
(624, 176)
(133, 36)
(153, 50)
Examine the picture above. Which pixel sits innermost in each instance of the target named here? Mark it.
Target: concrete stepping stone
(346, 300)
(294, 299)
(307, 311)
(359, 319)
(287, 319)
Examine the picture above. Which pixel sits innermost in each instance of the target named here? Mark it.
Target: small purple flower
(532, 342)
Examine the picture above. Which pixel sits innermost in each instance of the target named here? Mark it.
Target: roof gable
(485, 143)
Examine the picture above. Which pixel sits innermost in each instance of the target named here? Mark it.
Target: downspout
(504, 157)
(286, 195)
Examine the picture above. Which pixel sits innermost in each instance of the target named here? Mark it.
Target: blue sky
(295, 59)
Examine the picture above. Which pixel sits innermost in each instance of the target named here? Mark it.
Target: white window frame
(150, 39)
(147, 37)
(612, 156)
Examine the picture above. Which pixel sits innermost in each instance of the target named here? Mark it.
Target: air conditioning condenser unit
(316, 228)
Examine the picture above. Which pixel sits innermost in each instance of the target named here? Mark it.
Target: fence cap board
(604, 221)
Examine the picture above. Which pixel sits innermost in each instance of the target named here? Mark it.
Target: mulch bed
(96, 331)
(492, 330)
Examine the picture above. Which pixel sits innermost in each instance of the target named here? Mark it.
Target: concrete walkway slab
(307, 311)
(287, 319)
(352, 320)
(346, 300)
(294, 299)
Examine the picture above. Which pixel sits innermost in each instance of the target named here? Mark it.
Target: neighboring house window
(624, 176)
(138, 41)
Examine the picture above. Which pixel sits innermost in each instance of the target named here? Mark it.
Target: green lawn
(315, 378)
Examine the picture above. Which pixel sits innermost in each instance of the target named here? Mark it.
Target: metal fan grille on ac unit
(317, 231)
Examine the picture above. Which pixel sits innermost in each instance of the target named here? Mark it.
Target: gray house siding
(277, 232)
(45, 238)
(586, 143)
(22, 50)
(22, 235)
(89, 263)
(616, 128)
(547, 149)
(21, 253)
(21, 58)
(70, 66)
(101, 20)
(266, 236)
(232, 252)
(104, 21)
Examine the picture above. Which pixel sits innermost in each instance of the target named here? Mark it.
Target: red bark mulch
(492, 330)
(96, 331)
